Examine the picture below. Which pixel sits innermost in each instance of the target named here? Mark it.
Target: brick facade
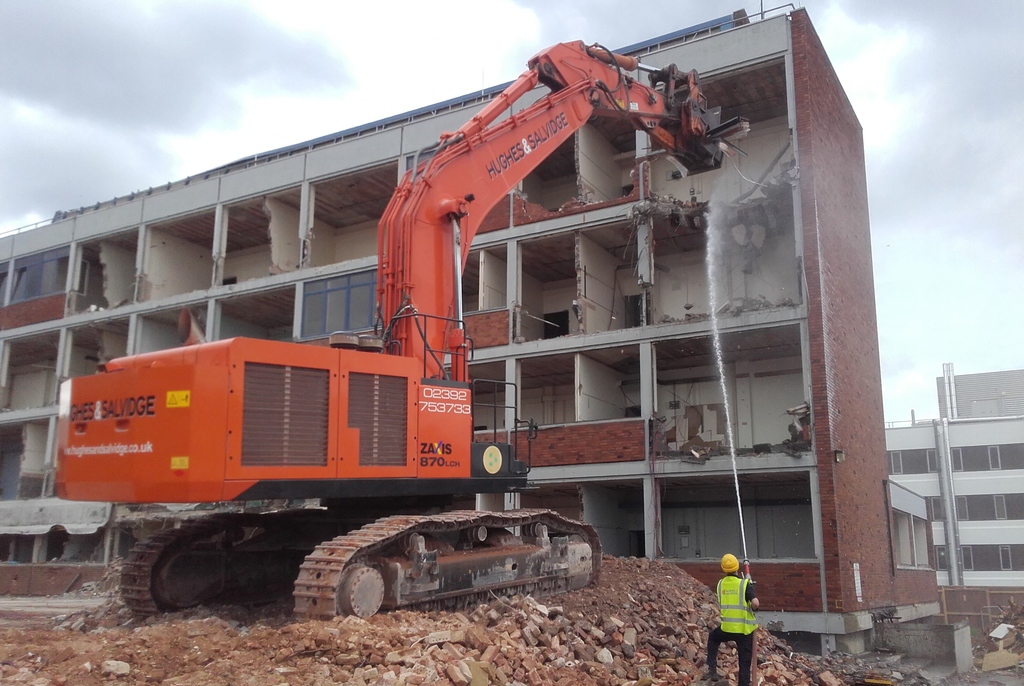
(620, 440)
(488, 329)
(846, 394)
(790, 587)
(34, 311)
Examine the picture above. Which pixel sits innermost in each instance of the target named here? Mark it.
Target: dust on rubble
(644, 623)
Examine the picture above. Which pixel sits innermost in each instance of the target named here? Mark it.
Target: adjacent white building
(969, 464)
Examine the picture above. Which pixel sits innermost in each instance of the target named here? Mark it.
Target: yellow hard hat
(729, 563)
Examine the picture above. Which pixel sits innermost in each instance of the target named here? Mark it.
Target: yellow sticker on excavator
(179, 463)
(178, 398)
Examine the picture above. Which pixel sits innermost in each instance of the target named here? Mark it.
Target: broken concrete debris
(644, 623)
(1003, 647)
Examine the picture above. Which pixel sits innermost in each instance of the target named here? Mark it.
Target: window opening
(1005, 557)
(932, 460)
(941, 559)
(340, 303)
(967, 558)
(993, 457)
(895, 462)
(958, 459)
(556, 324)
(1000, 504)
(41, 274)
(961, 508)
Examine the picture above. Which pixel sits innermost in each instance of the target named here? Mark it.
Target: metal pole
(944, 458)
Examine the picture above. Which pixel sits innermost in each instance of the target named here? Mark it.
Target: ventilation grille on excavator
(284, 416)
(378, 406)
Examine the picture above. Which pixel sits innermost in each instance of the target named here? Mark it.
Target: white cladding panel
(741, 45)
(109, 219)
(364, 151)
(181, 200)
(263, 178)
(43, 238)
(910, 437)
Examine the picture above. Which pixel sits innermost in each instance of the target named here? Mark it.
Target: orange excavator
(378, 426)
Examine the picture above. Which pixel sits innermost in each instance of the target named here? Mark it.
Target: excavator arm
(428, 227)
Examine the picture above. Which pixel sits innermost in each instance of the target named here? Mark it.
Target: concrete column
(490, 502)
(744, 413)
(132, 344)
(513, 297)
(74, 269)
(511, 389)
(49, 457)
(212, 331)
(220, 243)
(307, 207)
(300, 294)
(141, 257)
(39, 548)
(652, 516)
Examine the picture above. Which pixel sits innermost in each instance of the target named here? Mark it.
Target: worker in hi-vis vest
(737, 602)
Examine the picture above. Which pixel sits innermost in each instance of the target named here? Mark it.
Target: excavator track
(389, 563)
(138, 568)
(215, 559)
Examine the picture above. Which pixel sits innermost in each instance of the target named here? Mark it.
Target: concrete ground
(40, 611)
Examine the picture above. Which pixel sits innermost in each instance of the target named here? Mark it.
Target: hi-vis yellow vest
(737, 617)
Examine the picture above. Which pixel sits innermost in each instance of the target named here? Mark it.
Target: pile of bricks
(644, 623)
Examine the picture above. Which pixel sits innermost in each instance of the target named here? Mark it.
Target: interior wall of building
(118, 274)
(599, 394)
(598, 292)
(250, 263)
(493, 271)
(175, 266)
(283, 230)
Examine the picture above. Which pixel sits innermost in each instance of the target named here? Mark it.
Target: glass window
(340, 303)
(967, 558)
(993, 457)
(1000, 503)
(1005, 558)
(941, 561)
(41, 274)
(932, 460)
(935, 506)
(961, 508)
(4, 266)
(958, 459)
(895, 462)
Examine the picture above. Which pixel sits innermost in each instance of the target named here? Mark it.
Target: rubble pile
(644, 623)
(1003, 646)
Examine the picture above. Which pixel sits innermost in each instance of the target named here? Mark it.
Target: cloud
(158, 66)
(90, 92)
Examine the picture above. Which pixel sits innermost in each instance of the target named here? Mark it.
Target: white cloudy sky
(98, 99)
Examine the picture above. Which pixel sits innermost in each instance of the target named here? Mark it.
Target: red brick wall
(793, 587)
(33, 311)
(846, 394)
(487, 328)
(589, 443)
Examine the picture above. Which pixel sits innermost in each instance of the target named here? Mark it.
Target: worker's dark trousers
(744, 646)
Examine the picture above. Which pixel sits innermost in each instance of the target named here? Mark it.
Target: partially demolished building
(587, 288)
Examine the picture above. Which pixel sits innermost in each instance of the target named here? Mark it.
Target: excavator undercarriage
(445, 561)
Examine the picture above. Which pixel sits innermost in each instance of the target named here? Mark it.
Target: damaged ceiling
(750, 345)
